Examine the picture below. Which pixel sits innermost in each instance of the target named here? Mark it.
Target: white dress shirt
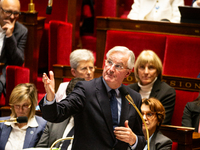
(17, 135)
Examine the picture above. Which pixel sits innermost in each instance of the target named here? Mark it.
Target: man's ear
(73, 71)
(128, 73)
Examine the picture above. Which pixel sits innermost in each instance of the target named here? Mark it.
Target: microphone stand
(58, 140)
(128, 97)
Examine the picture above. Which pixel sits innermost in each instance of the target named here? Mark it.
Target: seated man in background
(196, 3)
(13, 37)
(191, 114)
(82, 66)
(55, 131)
(156, 10)
(17, 136)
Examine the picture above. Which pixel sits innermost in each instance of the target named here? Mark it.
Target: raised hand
(49, 85)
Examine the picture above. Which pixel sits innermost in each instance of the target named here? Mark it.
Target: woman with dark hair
(153, 113)
(191, 114)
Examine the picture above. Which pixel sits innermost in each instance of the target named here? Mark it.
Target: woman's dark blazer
(165, 94)
(160, 142)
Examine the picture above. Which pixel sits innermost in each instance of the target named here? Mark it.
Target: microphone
(123, 91)
(22, 119)
(61, 139)
(49, 7)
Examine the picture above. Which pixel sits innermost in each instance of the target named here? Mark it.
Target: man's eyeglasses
(24, 107)
(149, 115)
(8, 13)
(110, 63)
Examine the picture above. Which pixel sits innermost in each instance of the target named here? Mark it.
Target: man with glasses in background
(13, 37)
(103, 118)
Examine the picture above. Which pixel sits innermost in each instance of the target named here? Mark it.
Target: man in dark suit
(191, 114)
(89, 103)
(13, 37)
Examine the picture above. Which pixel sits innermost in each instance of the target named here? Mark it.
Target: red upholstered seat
(174, 145)
(14, 76)
(136, 41)
(60, 47)
(182, 56)
(182, 97)
(60, 43)
(182, 59)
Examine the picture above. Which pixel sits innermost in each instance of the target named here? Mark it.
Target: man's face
(115, 69)
(9, 10)
(84, 70)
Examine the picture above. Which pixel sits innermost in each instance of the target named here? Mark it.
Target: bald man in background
(13, 36)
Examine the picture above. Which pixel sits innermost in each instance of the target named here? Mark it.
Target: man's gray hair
(123, 49)
(79, 55)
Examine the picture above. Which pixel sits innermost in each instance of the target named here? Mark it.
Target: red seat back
(60, 43)
(136, 41)
(14, 76)
(182, 56)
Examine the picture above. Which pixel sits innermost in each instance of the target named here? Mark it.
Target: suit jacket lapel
(5, 135)
(29, 135)
(155, 89)
(103, 100)
(124, 110)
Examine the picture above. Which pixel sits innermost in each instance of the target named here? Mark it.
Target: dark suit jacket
(160, 142)
(93, 127)
(52, 132)
(191, 115)
(13, 49)
(163, 92)
(32, 134)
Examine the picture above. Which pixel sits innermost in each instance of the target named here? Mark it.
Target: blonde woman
(148, 73)
(17, 136)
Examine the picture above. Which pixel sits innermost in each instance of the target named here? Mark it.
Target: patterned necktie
(67, 142)
(114, 109)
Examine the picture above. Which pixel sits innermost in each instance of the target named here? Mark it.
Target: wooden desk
(108, 23)
(35, 27)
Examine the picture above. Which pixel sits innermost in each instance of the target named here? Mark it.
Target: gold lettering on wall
(129, 79)
(188, 85)
(180, 84)
(197, 86)
(172, 83)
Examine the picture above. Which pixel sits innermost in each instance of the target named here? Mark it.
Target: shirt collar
(108, 88)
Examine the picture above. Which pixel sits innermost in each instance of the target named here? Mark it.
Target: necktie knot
(113, 92)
